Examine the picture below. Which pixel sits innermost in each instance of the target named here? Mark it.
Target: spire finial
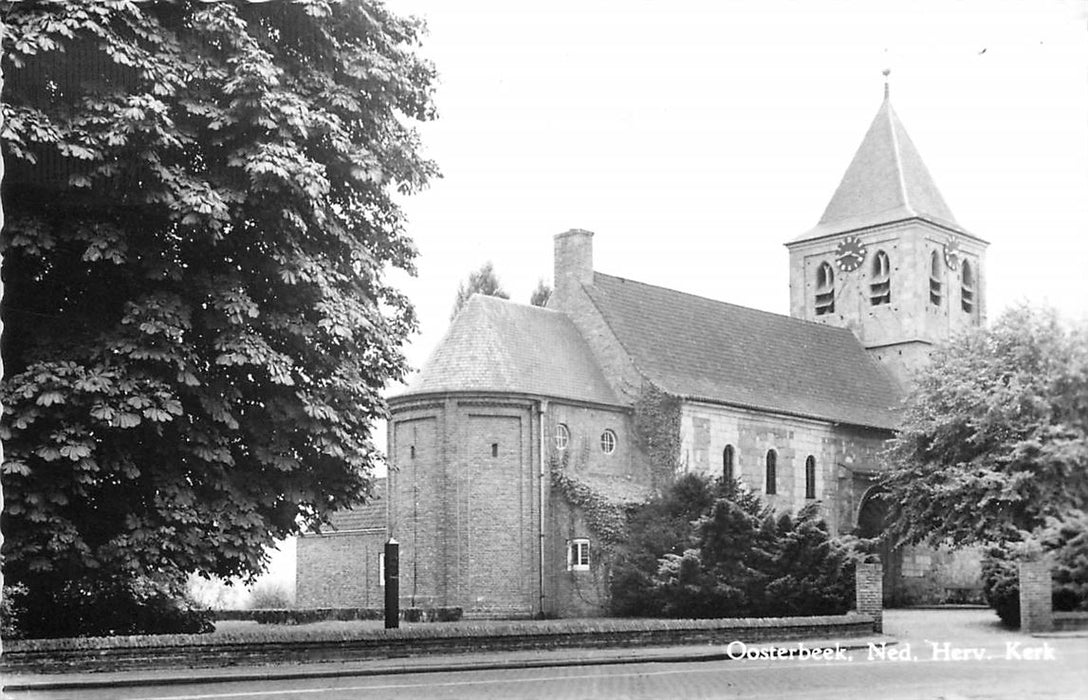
(887, 72)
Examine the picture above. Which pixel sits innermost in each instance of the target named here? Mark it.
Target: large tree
(994, 439)
(200, 217)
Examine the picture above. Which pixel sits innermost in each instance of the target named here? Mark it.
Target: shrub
(269, 595)
(1067, 541)
(107, 606)
(712, 549)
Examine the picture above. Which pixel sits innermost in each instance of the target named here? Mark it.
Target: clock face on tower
(850, 254)
(952, 253)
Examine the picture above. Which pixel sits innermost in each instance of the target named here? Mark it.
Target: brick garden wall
(339, 570)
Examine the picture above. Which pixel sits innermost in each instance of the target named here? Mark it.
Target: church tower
(887, 259)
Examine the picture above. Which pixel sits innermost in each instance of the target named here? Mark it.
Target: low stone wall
(303, 616)
(306, 646)
(1070, 621)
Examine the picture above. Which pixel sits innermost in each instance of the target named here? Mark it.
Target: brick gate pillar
(1036, 613)
(869, 580)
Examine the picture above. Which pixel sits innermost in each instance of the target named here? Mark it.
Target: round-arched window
(562, 437)
(771, 486)
(608, 442)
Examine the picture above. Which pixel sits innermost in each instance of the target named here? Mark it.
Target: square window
(578, 555)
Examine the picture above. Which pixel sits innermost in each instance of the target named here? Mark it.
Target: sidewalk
(420, 664)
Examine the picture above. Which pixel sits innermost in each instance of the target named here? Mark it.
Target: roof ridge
(835, 329)
(511, 302)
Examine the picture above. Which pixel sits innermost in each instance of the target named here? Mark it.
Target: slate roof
(699, 348)
(368, 517)
(886, 182)
(495, 345)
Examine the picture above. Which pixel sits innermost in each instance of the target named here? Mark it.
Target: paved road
(941, 654)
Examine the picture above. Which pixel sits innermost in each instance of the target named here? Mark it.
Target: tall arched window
(728, 473)
(810, 477)
(772, 468)
(880, 282)
(936, 272)
(967, 293)
(825, 289)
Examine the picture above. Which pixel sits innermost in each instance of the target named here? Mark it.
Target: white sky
(696, 138)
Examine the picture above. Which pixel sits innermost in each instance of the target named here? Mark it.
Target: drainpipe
(540, 449)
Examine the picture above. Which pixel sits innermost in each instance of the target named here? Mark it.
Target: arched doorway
(872, 522)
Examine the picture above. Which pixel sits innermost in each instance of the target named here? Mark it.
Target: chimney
(573, 263)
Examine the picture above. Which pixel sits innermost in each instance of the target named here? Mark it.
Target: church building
(527, 423)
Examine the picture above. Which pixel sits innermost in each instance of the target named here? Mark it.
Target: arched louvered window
(772, 475)
(880, 281)
(967, 292)
(810, 477)
(936, 274)
(728, 473)
(825, 289)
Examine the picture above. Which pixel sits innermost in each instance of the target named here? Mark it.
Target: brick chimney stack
(573, 264)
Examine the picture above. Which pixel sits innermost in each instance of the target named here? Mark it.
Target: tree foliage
(995, 435)
(541, 294)
(200, 217)
(483, 281)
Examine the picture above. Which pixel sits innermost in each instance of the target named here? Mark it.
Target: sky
(695, 139)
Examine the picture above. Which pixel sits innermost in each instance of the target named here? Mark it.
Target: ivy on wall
(656, 425)
(607, 519)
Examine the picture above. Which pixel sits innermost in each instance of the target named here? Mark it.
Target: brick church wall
(463, 502)
(573, 593)
(706, 429)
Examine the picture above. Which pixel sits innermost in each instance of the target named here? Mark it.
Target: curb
(351, 669)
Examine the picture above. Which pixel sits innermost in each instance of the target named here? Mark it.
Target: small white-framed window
(381, 569)
(578, 554)
(562, 437)
(608, 442)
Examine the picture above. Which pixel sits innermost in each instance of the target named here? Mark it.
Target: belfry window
(967, 293)
(935, 283)
(825, 290)
(880, 284)
(772, 476)
(728, 473)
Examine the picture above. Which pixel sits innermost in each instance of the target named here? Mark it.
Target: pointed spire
(885, 182)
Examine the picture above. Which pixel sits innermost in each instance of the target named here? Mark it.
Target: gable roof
(699, 348)
(494, 345)
(369, 517)
(885, 182)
